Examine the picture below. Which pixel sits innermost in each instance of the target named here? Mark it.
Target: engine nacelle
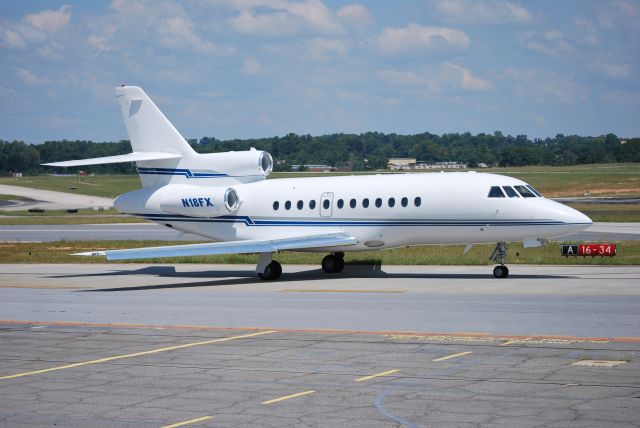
(237, 164)
(195, 201)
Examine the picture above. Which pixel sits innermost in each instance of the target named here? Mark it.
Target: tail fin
(148, 129)
(163, 156)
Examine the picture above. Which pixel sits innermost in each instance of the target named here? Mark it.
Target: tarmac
(50, 200)
(128, 345)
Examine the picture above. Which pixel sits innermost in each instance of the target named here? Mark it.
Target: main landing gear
(270, 270)
(498, 256)
(333, 263)
(267, 268)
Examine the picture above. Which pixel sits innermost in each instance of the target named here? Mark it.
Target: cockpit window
(526, 193)
(530, 187)
(510, 192)
(495, 192)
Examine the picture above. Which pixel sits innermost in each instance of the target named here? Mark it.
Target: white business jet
(225, 197)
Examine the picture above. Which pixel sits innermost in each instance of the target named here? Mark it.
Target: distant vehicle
(225, 197)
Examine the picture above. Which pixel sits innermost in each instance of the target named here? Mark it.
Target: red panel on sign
(597, 250)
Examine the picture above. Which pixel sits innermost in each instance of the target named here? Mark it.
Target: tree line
(367, 151)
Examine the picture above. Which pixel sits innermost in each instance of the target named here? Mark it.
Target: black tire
(332, 264)
(272, 271)
(501, 271)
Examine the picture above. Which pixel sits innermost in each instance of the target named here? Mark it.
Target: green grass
(579, 180)
(59, 252)
(67, 219)
(84, 216)
(107, 186)
(609, 212)
(10, 198)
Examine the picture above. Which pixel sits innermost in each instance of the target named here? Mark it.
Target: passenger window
(392, 202)
(510, 192)
(417, 201)
(530, 187)
(526, 193)
(378, 203)
(352, 203)
(340, 203)
(495, 192)
(312, 204)
(276, 205)
(300, 205)
(325, 204)
(404, 202)
(287, 205)
(365, 203)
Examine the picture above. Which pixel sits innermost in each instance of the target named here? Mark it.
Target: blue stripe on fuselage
(383, 222)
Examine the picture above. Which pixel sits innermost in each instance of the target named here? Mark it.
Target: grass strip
(59, 252)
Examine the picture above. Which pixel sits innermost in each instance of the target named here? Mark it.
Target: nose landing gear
(498, 256)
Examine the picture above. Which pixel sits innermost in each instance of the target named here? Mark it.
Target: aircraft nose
(572, 217)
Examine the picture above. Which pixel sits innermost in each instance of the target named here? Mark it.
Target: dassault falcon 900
(225, 197)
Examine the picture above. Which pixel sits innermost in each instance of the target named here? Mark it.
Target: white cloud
(100, 43)
(355, 15)
(280, 17)
(543, 85)
(615, 71)
(551, 42)
(418, 37)
(37, 27)
(179, 31)
(251, 66)
(327, 49)
(468, 80)
(587, 33)
(50, 21)
(472, 11)
(441, 78)
(29, 78)
(7, 92)
(143, 25)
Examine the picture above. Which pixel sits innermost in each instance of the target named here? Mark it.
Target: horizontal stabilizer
(131, 157)
(233, 247)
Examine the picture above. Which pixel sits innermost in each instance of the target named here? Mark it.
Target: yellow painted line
(447, 357)
(191, 421)
(362, 379)
(302, 290)
(138, 354)
(287, 397)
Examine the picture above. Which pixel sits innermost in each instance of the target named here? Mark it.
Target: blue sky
(258, 68)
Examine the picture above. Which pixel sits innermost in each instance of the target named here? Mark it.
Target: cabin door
(326, 204)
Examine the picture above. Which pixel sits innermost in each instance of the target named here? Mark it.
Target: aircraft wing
(232, 247)
(129, 157)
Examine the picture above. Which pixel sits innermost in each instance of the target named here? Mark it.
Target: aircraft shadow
(248, 277)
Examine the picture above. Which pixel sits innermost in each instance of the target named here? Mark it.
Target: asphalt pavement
(132, 345)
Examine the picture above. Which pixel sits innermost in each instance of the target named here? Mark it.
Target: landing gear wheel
(501, 271)
(332, 263)
(272, 271)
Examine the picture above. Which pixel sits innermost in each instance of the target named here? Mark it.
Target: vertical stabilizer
(148, 129)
